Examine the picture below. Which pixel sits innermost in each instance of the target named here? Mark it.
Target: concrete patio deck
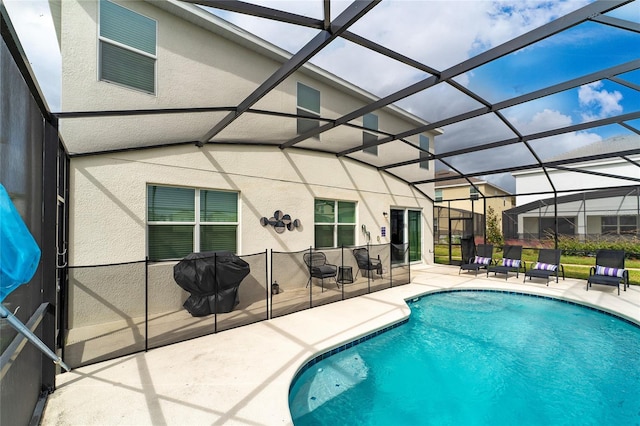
(242, 376)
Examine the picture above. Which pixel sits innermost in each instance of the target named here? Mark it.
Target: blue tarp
(19, 252)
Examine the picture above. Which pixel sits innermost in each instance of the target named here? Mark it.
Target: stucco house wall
(108, 207)
(460, 193)
(203, 62)
(536, 181)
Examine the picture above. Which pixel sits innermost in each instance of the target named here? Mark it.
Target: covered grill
(213, 279)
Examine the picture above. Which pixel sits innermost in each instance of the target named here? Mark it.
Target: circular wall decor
(279, 227)
(280, 222)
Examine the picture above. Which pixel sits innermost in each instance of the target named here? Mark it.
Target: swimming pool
(480, 358)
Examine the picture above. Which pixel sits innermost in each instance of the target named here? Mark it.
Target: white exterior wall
(108, 213)
(108, 203)
(527, 182)
(195, 68)
(587, 213)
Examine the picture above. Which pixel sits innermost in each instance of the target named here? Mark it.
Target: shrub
(573, 246)
(494, 233)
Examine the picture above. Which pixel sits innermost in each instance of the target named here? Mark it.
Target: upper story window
(473, 193)
(424, 144)
(438, 195)
(308, 106)
(186, 220)
(127, 47)
(370, 121)
(335, 223)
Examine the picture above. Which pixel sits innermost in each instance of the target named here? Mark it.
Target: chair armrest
(625, 276)
(524, 265)
(592, 270)
(562, 269)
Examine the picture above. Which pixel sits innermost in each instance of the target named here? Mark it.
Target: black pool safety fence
(119, 309)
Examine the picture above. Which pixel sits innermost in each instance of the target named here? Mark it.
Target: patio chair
(366, 263)
(319, 268)
(467, 248)
(511, 262)
(609, 270)
(548, 264)
(482, 259)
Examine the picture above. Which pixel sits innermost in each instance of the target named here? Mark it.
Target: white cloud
(601, 103)
(33, 23)
(541, 121)
(439, 34)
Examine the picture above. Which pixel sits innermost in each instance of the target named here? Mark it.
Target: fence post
(342, 268)
(146, 303)
(390, 264)
(215, 289)
(310, 278)
(268, 275)
(368, 266)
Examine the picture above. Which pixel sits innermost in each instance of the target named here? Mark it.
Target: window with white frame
(185, 220)
(335, 223)
(370, 121)
(308, 106)
(424, 156)
(127, 47)
(438, 195)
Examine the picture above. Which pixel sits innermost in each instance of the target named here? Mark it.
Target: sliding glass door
(406, 236)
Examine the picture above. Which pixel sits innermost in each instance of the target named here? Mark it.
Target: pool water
(481, 358)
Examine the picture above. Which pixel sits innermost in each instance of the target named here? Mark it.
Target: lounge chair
(316, 261)
(484, 253)
(468, 249)
(609, 270)
(366, 263)
(548, 264)
(511, 262)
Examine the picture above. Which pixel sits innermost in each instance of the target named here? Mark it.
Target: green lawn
(574, 266)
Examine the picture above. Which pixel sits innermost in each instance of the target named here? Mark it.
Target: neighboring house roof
(458, 182)
(620, 143)
(613, 144)
(454, 182)
(589, 195)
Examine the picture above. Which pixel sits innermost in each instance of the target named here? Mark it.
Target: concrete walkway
(242, 376)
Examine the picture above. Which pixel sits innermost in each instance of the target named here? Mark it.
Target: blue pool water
(481, 358)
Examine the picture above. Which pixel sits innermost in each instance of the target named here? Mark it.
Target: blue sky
(439, 34)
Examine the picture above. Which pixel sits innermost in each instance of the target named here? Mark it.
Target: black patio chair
(467, 249)
(609, 270)
(511, 262)
(366, 263)
(482, 259)
(548, 265)
(316, 261)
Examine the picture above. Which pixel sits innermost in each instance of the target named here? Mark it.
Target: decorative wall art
(280, 222)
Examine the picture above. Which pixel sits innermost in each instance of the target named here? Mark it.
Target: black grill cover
(213, 279)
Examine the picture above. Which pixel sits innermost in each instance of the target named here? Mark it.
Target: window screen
(308, 106)
(127, 47)
(370, 121)
(424, 144)
(176, 227)
(334, 223)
